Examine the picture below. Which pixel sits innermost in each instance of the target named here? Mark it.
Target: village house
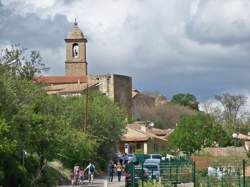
(144, 138)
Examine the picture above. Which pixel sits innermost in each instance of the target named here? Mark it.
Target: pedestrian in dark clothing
(111, 171)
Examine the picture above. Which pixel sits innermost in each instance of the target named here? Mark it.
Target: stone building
(76, 79)
(116, 87)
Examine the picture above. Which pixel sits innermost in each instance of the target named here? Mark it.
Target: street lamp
(24, 155)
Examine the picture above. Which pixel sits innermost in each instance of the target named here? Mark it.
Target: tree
(46, 126)
(186, 99)
(232, 105)
(6, 145)
(33, 121)
(210, 107)
(165, 115)
(106, 123)
(15, 61)
(194, 132)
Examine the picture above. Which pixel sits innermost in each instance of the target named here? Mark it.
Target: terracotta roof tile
(135, 133)
(243, 137)
(68, 88)
(132, 135)
(60, 79)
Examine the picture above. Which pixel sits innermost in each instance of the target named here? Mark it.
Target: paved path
(99, 182)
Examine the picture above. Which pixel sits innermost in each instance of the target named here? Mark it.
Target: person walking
(72, 177)
(91, 169)
(119, 171)
(111, 168)
(76, 173)
(81, 176)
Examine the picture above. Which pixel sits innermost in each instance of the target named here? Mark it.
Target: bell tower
(75, 64)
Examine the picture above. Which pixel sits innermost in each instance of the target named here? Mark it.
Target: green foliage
(48, 127)
(194, 132)
(220, 136)
(106, 123)
(16, 63)
(186, 99)
(248, 154)
(6, 145)
(151, 184)
(75, 147)
(33, 121)
(13, 173)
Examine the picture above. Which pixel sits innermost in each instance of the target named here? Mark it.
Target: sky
(169, 46)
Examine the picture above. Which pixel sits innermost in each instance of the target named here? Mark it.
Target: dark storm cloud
(209, 33)
(32, 31)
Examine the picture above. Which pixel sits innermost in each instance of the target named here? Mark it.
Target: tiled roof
(75, 33)
(60, 79)
(153, 130)
(160, 132)
(132, 135)
(68, 88)
(135, 133)
(243, 137)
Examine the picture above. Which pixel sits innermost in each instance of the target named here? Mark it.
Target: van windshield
(156, 156)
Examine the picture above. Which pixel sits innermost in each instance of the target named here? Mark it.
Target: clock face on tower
(75, 50)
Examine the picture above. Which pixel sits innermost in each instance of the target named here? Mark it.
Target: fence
(177, 171)
(181, 171)
(228, 175)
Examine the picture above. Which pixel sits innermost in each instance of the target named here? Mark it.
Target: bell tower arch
(76, 63)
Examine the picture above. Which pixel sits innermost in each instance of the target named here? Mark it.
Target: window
(75, 50)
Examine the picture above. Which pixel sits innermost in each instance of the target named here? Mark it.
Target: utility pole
(85, 123)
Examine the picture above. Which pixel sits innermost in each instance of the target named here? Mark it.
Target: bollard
(105, 183)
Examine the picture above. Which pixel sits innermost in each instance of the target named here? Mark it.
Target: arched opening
(75, 50)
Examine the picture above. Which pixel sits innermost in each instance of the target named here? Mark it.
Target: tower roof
(75, 32)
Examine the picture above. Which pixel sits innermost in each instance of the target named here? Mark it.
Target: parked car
(139, 173)
(154, 158)
(153, 169)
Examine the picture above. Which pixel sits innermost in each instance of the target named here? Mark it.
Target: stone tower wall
(123, 93)
(117, 87)
(75, 69)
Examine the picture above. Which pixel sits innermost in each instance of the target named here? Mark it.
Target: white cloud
(222, 22)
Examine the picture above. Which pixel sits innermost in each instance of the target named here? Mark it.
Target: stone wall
(123, 92)
(75, 69)
(117, 87)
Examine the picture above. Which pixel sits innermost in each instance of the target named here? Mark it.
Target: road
(99, 182)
